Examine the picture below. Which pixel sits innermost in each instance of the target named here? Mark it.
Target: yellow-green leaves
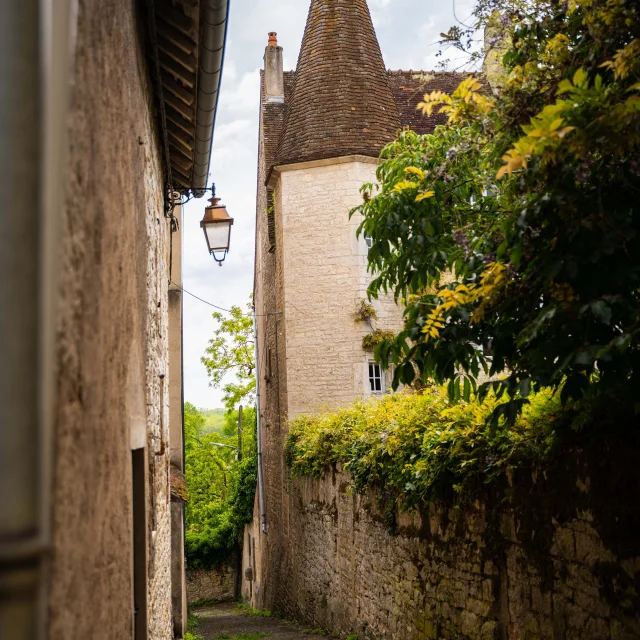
(408, 444)
(625, 61)
(544, 135)
(425, 195)
(405, 185)
(478, 297)
(465, 103)
(414, 171)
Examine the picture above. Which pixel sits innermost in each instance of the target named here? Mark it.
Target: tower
(321, 131)
(322, 128)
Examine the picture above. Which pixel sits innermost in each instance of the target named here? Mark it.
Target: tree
(512, 234)
(231, 351)
(221, 487)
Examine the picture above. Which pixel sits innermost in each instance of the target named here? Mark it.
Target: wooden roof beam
(177, 138)
(175, 18)
(177, 70)
(184, 42)
(188, 61)
(171, 84)
(180, 122)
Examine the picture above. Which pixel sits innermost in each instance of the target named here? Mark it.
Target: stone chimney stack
(273, 71)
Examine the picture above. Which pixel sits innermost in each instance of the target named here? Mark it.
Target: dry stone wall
(217, 584)
(551, 555)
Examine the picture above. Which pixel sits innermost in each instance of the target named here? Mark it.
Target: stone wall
(218, 585)
(308, 290)
(113, 393)
(550, 555)
(325, 279)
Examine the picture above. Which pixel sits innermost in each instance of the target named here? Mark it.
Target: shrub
(421, 447)
(530, 200)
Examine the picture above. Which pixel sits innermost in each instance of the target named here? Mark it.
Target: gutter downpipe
(36, 37)
(263, 511)
(214, 24)
(21, 110)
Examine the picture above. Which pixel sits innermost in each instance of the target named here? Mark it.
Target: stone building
(322, 128)
(107, 110)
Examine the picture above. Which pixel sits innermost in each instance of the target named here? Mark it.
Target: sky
(408, 31)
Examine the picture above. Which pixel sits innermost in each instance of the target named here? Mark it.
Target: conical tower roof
(342, 103)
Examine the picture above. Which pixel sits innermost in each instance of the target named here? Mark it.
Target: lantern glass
(216, 225)
(218, 235)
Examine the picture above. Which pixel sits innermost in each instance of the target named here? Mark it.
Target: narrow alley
(228, 621)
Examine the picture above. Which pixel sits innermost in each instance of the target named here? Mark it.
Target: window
(376, 378)
(369, 240)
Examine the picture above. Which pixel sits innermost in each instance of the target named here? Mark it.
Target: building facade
(322, 128)
(103, 121)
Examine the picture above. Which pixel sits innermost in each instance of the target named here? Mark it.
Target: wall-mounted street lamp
(216, 225)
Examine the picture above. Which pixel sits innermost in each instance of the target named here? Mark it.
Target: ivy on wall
(415, 448)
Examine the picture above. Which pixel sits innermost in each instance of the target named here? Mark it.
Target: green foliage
(203, 602)
(372, 340)
(214, 419)
(231, 351)
(515, 229)
(243, 636)
(416, 447)
(366, 312)
(250, 611)
(221, 488)
(193, 623)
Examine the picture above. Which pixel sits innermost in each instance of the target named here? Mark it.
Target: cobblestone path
(227, 622)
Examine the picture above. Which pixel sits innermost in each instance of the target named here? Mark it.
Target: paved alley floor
(228, 622)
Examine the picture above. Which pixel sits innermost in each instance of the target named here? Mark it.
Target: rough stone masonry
(546, 556)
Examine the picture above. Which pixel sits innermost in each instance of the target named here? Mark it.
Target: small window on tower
(369, 240)
(376, 378)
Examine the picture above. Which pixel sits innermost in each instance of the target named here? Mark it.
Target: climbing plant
(366, 312)
(372, 340)
(512, 233)
(415, 448)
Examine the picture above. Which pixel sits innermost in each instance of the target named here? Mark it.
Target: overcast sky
(408, 31)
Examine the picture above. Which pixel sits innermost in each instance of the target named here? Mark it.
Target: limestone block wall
(549, 555)
(217, 584)
(324, 280)
(113, 383)
(308, 288)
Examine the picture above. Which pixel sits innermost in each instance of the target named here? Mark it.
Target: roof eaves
(186, 45)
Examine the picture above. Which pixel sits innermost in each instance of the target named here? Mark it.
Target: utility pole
(240, 432)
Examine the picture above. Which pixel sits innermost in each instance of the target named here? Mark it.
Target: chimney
(273, 70)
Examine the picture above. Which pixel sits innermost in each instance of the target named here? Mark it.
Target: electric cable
(215, 306)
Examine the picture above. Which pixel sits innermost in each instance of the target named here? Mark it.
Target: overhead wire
(215, 306)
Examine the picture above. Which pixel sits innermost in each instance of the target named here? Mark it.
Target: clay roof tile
(342, 103)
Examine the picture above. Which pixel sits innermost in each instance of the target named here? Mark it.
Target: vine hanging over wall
(366, 312)
(372, 340)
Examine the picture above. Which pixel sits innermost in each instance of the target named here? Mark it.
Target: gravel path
(226, 621)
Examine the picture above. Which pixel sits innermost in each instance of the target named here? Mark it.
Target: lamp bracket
(175, 197)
